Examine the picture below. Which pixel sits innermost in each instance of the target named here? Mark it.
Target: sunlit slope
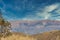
(53, 35)
(17, 36)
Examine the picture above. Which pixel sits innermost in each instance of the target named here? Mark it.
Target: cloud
(51, 7)
(46, 11)
(29, 10)
(58, 10)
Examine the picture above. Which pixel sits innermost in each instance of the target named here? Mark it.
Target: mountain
(36, 26)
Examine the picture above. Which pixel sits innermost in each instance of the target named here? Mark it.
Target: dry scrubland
(53, 35)
(18, 36)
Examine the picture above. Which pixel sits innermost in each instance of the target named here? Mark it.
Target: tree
(5, 26)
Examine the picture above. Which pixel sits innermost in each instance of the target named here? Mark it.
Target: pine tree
(5, 26)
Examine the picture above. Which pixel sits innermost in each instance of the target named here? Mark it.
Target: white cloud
(44, 15)
(58, 10)
(46, 11)
(51, 7)
(58, 19)
(28, 19)
(47, 16)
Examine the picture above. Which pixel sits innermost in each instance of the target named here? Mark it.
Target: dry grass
(53, 35)
(18, 37)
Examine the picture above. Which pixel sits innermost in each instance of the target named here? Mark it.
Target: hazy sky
(30, 9)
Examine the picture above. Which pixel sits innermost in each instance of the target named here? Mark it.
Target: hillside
(18, 36)
(52, 35)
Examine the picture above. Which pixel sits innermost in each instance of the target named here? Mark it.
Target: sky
(30, 9)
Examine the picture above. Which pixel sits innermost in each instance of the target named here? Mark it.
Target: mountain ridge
(37, 26)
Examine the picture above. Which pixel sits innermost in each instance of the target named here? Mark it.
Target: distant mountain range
(33, 27)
